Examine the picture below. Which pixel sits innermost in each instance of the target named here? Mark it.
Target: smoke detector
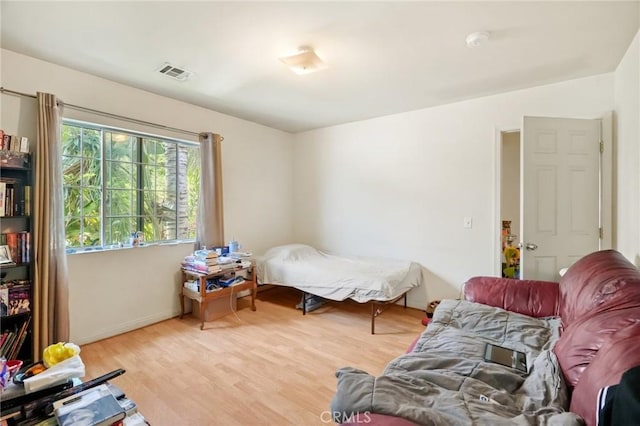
(174, 72)
(477, 39)
(304, 61)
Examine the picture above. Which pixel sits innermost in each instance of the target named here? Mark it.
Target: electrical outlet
(468, 223)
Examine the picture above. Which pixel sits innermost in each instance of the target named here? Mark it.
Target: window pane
(91, 234)
(148, 151)
(149, 229)
(70, 140)
(191, 190)
(91, 143)
(120, 175)
(73, 231)
(161, 150)
(162, 182)
(120, 203)
(121, 147)
(149, 205)
(91, 172)
(118, 230)
(71, 173)
(91, 200)
(149, 173)
(72, 200)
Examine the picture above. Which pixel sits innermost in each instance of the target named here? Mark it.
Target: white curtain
(50, 286)
(210, 230)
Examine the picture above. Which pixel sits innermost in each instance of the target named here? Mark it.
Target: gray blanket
(445, 380)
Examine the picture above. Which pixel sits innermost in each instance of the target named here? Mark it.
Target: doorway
(510, 204)
(554, 182)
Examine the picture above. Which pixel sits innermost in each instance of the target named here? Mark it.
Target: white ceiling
(383, 57)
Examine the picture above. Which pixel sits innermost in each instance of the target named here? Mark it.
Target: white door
(560, 206)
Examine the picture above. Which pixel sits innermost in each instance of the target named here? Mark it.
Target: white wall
(627, 155)
(116, 291)
(400, 185)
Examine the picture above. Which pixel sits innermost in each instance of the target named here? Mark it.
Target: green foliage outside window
(116, 183)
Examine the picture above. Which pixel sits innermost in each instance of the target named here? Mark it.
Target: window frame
(137, 162)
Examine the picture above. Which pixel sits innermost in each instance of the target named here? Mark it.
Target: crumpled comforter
(445, 379)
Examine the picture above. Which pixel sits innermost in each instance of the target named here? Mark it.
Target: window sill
(115, 247)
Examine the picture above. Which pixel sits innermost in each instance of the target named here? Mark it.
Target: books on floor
(96, 406)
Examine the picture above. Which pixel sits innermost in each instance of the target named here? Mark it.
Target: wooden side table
(203, 296)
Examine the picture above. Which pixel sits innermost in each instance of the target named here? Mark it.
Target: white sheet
(337, 277)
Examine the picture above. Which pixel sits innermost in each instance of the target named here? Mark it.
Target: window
(117, 182)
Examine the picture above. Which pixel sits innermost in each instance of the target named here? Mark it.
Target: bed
(379, 281)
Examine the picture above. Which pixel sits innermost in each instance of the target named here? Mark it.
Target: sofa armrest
(528, 297)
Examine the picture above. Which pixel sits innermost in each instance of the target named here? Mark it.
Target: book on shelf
(95, 407)
(19, 299)
(15, 297)
(13, 340)
(27, 200)
(13, 194)
(18, 245)
(3, 195)
(5, 255)
(24, 144)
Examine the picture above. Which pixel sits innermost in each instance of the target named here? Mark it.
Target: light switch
(468, 222)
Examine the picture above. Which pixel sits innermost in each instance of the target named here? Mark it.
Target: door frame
(605, 190)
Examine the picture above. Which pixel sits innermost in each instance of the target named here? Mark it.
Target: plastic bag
(57, 374)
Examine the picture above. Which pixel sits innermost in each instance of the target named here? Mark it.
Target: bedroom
(282, 187)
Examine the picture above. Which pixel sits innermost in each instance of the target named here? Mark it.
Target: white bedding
(337, 277)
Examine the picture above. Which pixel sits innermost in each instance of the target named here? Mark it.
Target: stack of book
(13, 143)
(202, 261)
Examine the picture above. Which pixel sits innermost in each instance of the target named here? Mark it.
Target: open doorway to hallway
(510, 203)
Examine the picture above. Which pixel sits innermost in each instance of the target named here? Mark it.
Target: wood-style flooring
(269, 367)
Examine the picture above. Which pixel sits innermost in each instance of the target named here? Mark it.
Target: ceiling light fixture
(305, 61)
(477, 39)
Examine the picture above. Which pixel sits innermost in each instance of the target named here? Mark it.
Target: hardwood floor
(269, 367)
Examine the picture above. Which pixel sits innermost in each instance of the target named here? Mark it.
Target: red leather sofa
(598, 300)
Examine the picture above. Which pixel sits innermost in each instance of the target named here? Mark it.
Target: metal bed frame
(377, 306)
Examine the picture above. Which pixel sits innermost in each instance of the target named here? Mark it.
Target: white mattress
(337, 277)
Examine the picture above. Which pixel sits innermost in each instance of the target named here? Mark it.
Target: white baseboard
(123, 327)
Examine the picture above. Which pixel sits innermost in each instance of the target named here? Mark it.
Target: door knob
(531, 246)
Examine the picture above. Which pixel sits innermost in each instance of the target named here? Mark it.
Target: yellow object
(58, 352)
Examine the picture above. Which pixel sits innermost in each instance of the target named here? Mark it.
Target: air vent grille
(174, 72)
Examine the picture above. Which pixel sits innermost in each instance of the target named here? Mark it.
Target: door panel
(560, 208)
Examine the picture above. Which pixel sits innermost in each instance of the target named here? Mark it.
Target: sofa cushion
(606, 369)
(598, 282)
(528, 297)
(583, 339)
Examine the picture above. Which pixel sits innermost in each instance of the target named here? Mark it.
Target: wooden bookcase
(16, 237)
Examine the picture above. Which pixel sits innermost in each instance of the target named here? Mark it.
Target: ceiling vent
(174, 72)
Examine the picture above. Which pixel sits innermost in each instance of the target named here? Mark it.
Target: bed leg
(304, 303)
(405, 300)
(373, 318)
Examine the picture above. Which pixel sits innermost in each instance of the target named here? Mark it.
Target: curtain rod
(107, 114)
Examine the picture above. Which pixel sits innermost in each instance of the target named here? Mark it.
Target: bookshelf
(16, 255)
